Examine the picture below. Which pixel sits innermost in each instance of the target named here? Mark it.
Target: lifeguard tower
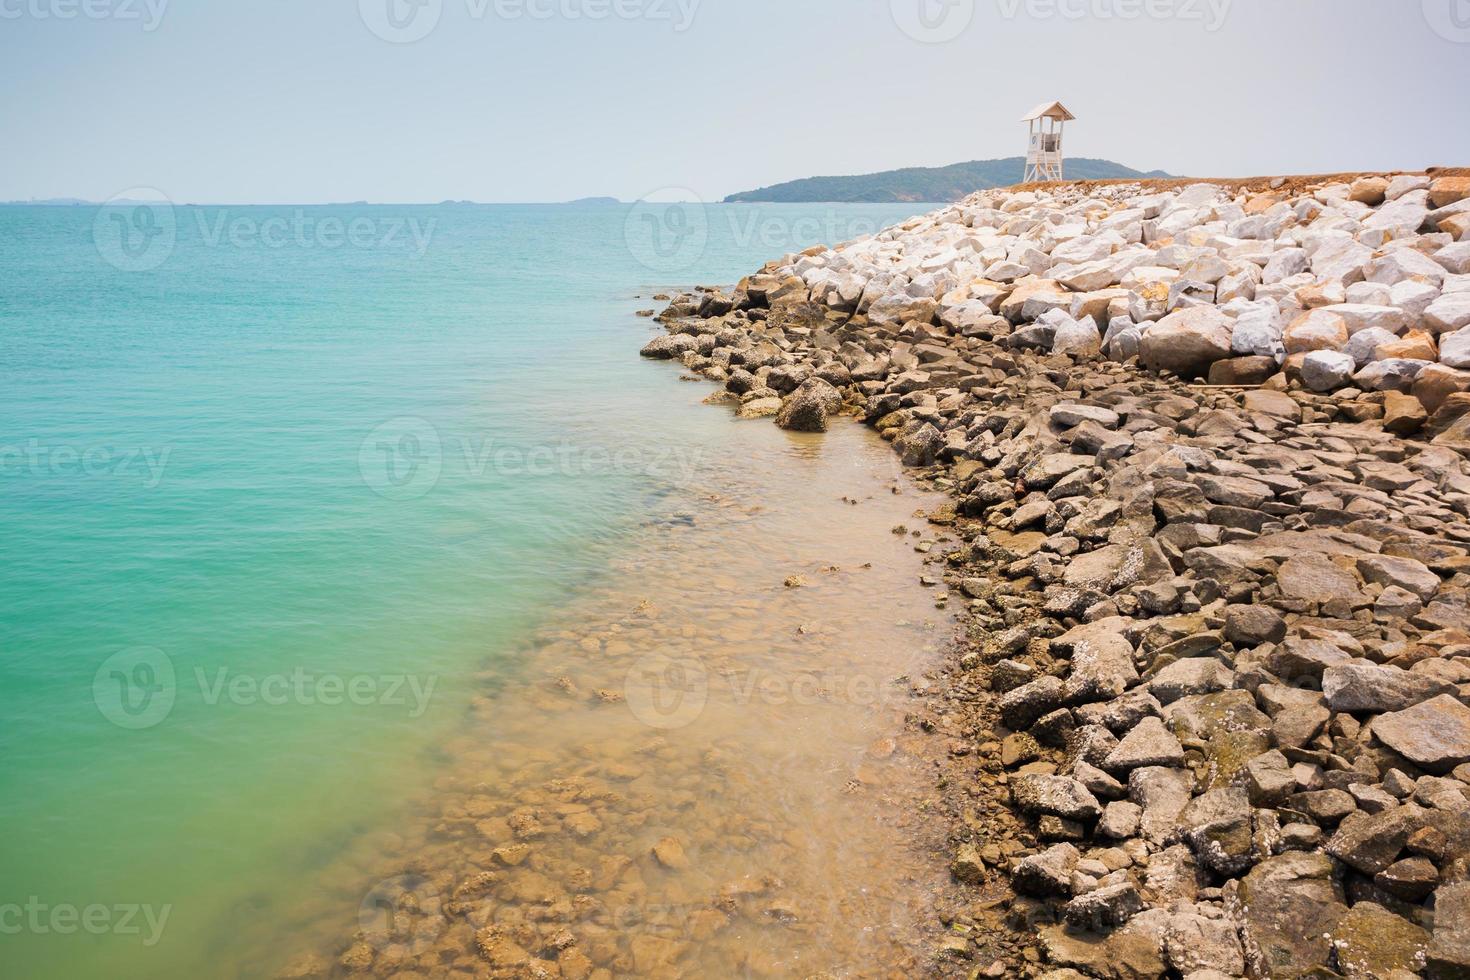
(1044, 149)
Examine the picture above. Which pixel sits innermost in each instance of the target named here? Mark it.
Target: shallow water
(275, 511)
(694, 773)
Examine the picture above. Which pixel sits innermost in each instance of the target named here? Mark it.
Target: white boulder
(1324, 370)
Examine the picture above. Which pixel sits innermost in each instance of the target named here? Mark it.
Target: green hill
(927, 184)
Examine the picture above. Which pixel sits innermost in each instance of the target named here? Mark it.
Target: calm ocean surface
(276, 484)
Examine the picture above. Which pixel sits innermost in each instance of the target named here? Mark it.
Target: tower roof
(1050, 110)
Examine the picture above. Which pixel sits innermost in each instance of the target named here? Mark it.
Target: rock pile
(1212, 716)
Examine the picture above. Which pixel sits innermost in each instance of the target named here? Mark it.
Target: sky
(307, 101)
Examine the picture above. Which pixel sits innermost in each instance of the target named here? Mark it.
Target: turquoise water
(275, 485)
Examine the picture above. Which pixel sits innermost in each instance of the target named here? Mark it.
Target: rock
(1148, 744)
(1448, 954)
(1315, 330)
(1117, 566)
(1269, 780)
(1046, 874)
(1022, 707)
(968, 866)
(1277, 404)
(1390, 374)
(1406, 573)
(1316, 578)
(1058, 796)
(1394, 265)
(1248, 626)
(1120, 820)
(919, 447)
(1217, 827)
(1403, 415)
(1186, 341)
(1434, 734)
(1104, 908)
(1365, 345)
(1370, 943)
(1163, 794)
(669, 347)
(1447, 190)
(1102, 668)
(1242, 371)
(1070, 414)
(1372, 842)
(1192, 675)
(1193, 943)
(669, 852)
(1438, 381)
(1297, 658)
(1257, 331)
(1130, 953)
(1454, 350)
(807, 408)
(1077, 337)
(1369, 190)
(1288, 907)
(1340, 259)
(759, 408)
(1411, 879)
(1326, 370)
(1366, 687)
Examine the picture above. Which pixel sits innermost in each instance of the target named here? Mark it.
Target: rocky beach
(1205, 448)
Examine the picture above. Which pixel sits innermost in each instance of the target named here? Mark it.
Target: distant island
(595, 200)
(928, 184)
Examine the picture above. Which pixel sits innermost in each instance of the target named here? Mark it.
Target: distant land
(936, 185)
(595, 200)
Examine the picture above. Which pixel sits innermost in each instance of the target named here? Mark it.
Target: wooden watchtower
(1044, 147)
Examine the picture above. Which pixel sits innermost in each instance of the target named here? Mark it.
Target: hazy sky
(540, 100)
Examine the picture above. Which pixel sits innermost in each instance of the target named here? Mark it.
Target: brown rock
(1242, 370)
(1368, 190)
(1447, 190)
(1403, 415)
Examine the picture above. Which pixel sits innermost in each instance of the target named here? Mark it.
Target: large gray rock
(1148, 744)
(1434, 734)
(1102, 669)
(1362, 686)
(1192, 675)
(1163, 793)
(1287, 907)
(1316, 578)
(1187, 341)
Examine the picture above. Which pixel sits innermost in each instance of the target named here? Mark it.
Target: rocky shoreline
(1209, 715)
